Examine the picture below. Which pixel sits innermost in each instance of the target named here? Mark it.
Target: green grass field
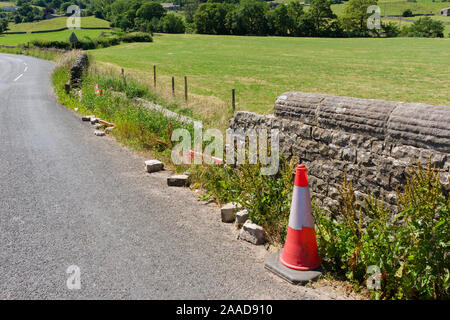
(57, 23)
(16, 39)
(6, 4)
(389, 7)
(261, 68)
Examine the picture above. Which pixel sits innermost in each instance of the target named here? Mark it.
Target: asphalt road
(68, 198)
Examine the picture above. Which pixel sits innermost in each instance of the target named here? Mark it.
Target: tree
(27, 13)
(278, 21)
(354, 18)
(150, 10)
(285, 19)
(124, 23)
(64, 7)
(190, 8)
(3, 25)
(318, 17)
(248, 18)
(210, 18)
(172, 24)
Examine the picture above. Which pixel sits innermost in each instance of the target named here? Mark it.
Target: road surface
(69, 198)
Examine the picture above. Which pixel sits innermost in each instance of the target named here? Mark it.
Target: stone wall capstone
(371, 142)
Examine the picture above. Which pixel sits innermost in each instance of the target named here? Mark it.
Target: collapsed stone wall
(372, 142)
(76, 71)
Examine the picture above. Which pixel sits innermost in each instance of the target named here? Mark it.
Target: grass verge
(136, 127)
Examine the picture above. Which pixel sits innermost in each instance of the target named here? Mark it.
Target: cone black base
(292, 276)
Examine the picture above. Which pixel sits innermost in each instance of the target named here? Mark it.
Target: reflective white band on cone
(301, 210)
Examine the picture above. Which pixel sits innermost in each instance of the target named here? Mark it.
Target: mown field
(57, 23)
(392, 7)
(6, 4)
(16, 39)
(261, 68)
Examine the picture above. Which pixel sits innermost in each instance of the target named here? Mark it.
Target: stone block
(252, 233)
(153, 165)
(228, 212)
(178, 180)
(86, 118)
(99, 133)
(241, 217)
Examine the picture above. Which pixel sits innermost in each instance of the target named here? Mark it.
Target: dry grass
(210, 109)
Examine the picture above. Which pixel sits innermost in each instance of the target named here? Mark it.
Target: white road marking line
(18, 77)
(26, 68)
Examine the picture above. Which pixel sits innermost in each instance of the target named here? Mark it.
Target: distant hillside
(395, 7)
(6, 4)
(57, 23)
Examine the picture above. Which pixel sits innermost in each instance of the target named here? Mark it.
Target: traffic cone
(300, 248)
(98, 91)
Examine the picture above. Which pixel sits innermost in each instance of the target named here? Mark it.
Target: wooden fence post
(154, 76)
(173, 86)
(185, 89)
(233, 99)
(123, 77)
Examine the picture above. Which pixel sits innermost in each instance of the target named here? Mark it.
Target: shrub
(52, 44)
(136, 37)
(390, 29)
(407, 13)
(410, 247)
(425, 27)
(86, 44)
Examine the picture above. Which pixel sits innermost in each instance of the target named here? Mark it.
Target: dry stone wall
(372, 142)
(76, 71)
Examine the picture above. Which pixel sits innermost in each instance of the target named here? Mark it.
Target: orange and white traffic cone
(299, 261)
(300, 248)
(98, 91)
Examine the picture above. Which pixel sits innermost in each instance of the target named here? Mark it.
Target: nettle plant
(409, 246)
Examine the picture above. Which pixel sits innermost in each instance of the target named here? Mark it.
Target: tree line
(236, 17)
(257, 17)
(251, 17)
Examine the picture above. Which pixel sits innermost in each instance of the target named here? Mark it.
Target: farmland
(52, 24)
(6, 4)
(57, 23)
(261, 68)
(389, 7)
(15, 39)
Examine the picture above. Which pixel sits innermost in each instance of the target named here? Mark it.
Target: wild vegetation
(136, 127)
(409, 246)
